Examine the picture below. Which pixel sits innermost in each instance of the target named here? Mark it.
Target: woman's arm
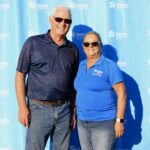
(121, 103)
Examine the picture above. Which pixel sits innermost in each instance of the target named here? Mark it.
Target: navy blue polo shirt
(96, 99)
(51, 68)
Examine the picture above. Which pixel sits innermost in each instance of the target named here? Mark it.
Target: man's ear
(50, 19)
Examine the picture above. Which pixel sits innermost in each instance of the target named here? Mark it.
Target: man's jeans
(48, 121)
(96, 135)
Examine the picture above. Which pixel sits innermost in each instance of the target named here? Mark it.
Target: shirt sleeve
(114, 73)
(80, 69)
(24, 58)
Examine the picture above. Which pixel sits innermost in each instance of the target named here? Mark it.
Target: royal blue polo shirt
(51, 68)
(96, 99)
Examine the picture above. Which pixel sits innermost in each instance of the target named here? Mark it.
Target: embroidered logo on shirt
(97, 72)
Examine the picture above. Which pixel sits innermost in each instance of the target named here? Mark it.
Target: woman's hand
(119, 129)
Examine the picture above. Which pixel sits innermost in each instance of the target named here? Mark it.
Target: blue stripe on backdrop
(125, 29)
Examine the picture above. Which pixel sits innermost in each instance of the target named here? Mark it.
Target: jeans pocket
(34, 105)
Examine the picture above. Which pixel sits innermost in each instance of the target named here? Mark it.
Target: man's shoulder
(71, 44)
(38, 36)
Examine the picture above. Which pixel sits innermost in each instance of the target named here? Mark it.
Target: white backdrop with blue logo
(124, 26)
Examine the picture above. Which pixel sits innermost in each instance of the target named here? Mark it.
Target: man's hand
(73, 121)
(24, 116)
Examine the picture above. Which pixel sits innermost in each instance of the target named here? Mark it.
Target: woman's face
(91, 46)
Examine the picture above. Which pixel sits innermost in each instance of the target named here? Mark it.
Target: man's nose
(63, 22)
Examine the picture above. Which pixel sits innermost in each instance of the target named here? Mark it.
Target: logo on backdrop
(148, 62)
(4, 93)
(4, 6)
(38, 4)
(78, 36)
(117, 35)
(122, 63)
(4, 121)
(148, 90)
(80, 6)
(4, 35)
(148, 119)
(5, 148)
(148, 33)
(117, 5)
(4, 65)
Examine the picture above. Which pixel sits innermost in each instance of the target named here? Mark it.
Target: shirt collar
(48, 37)
(50, 40)
(98, 62)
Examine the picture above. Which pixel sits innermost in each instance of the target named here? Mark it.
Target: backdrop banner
(124, 26)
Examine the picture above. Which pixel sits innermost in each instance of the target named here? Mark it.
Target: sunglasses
(67, 21)
(94, 44)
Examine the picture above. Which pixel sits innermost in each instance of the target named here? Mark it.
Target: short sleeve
(24, 58)
(114, 73)
(80, 68)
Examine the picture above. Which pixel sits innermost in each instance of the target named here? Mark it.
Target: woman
(100, 99)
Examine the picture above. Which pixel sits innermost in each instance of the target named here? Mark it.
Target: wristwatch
(119, 120)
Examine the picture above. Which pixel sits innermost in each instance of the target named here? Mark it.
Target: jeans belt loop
(42, 103)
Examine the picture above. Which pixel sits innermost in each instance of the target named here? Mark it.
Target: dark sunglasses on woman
(94, 44)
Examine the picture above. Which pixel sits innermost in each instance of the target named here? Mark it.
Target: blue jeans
(96, 135)
(48, 121)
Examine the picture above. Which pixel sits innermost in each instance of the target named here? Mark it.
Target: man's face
(60, 22)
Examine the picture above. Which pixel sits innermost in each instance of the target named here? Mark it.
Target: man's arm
(23, 111)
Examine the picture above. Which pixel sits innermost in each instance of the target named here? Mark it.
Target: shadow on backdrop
(134, 107)
(78, 33)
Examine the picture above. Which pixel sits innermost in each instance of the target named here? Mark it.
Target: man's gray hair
(61, 7)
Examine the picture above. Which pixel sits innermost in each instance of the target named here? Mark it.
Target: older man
(50, 61)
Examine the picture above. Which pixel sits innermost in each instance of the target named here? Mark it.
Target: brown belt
(53, 103)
